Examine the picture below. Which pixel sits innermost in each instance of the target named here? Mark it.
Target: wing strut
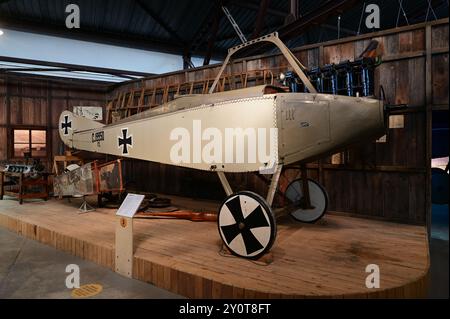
(290, 57)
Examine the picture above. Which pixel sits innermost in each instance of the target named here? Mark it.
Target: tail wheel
(318, 197)
(246, 225)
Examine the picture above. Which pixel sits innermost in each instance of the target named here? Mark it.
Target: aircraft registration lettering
(98, 136)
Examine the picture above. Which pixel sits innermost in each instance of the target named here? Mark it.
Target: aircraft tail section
(70, 123)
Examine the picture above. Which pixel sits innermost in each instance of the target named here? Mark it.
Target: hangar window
(29, 140)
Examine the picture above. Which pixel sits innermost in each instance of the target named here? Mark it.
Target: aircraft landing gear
(309, 200)
(246, 222)
(318, 200)
(246, 225)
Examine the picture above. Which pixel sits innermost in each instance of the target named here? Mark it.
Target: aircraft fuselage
(236, 131)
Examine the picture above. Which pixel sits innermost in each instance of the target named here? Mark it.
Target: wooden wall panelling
(3, 143)
(416, 198)
(440, 79)
(360, 46)
(439, 37)
(416, 82)
(395, 191)
(49, 123)
(39, 103)
(15, 98)
(57, 144)
(402, 86)
(3, 101)
(3, 113)
(8, 116)
(338, 53)
(416, 146)
(2, 87)
(385, 75)
(313, 58)
(390, 44)
(33, 112)
(58, 106)
(428, 121)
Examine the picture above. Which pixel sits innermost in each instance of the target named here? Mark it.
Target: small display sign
(130, 205)
(90, 112)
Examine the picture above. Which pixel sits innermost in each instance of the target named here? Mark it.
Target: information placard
(130, 205)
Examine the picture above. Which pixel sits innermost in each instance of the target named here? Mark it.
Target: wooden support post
(21, 189)
(320, 63)
(124, 246)
(45, 177)
(124, 234)
(49, 134)
(141, 98)
(213, 35)
(260, 18)
(8, 120)
(2, 182)
(429, 102)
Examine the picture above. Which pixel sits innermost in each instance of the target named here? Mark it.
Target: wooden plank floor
(327, 259)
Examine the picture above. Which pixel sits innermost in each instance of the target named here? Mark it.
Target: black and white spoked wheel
(246, 224)
(318, 199)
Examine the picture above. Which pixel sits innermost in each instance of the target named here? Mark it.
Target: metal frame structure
(272, 38)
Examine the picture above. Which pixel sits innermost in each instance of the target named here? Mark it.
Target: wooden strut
(168, 92)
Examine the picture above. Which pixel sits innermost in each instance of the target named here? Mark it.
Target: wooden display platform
(323, 260)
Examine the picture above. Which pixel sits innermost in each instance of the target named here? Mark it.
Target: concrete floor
(29, 269)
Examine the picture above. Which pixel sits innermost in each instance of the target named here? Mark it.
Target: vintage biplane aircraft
(309, 125)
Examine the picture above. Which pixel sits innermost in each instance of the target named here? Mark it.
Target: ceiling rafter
(155, 16)
(259, 24)
(255, 6)
(317, 17)
(202, 28)
(214, 29)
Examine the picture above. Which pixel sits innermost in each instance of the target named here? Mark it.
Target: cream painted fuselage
(307, 125)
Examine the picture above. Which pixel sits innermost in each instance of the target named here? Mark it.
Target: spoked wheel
(318, 197)
(246, 225)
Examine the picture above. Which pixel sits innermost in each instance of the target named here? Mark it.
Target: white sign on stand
(124, 234)
(130, 205)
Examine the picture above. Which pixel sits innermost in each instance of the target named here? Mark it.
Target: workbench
(19, 190)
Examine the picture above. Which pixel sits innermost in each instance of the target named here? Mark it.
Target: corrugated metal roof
(126, 19)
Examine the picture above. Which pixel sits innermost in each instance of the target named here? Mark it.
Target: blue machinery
(346, 78)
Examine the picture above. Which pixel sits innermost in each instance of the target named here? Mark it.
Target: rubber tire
(325, 197)
(270, 215)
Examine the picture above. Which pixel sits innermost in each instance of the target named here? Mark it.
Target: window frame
(30, 142)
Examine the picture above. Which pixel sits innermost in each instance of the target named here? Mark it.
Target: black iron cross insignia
(66, 125)
(244, 225)
(125, 141)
